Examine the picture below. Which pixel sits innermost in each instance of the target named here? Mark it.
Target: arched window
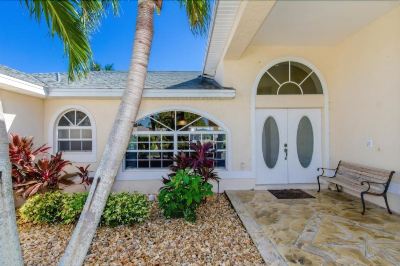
(157, 137)
(74, 132)
(289, 77)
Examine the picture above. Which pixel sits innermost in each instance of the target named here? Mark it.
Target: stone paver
(327, 230)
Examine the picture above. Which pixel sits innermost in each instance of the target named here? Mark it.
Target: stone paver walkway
(327, 230)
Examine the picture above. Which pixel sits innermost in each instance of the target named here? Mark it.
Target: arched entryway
(290, 121)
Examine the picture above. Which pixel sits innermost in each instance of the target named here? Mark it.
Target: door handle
(285, 150)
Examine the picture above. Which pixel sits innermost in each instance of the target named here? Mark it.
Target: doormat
(291, 194)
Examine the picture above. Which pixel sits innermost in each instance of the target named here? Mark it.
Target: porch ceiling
(317, 22)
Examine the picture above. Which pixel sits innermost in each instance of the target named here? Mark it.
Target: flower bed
(217, 237)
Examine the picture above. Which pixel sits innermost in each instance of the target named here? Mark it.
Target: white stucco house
(286, 87)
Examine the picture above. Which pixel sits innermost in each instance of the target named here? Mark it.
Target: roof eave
(147, 93)
(21, 86)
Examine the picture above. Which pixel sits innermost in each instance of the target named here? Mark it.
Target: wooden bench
(359, 178)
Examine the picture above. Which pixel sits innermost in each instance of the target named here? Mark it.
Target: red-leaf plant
(32, 170)
(84, 174)
(22, 156)
(200, 162)
(47, 174)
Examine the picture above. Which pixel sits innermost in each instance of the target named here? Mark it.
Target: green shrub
(181, 196)
(125, 208)
(43, 208)
(56, 207)
(72, 206)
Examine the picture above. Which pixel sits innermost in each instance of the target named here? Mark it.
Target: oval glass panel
(305, 142)
(270, 142)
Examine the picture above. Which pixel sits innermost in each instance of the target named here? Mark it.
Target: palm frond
(72, 21)
(111, 4)
(63, 20)
(93, 10)
(198, 13)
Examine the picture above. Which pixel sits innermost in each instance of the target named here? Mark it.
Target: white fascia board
(20, 86)
(90, 93)
(148, 93)
(189, 93)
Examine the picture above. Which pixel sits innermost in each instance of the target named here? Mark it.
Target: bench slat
(364, 172)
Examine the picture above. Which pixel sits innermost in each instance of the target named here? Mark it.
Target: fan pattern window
(289, 78)
(74, 132)
(157, 137)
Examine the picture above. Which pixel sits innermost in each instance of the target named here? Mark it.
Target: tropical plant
(22, 156)
(83, 173)
(181, 161)
(198, 12)
(45, 173)
(181, 196)
(200, 162)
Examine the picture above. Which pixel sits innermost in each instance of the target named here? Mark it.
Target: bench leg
(363, 203)
(337, 188)
(387, 204)
(319, 185)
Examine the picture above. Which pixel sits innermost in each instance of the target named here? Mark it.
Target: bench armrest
(372, 182)
(323, 168)
(326, 169)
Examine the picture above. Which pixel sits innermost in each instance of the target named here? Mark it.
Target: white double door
(288, 145)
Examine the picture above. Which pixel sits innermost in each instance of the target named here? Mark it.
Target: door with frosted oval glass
(288, 145)
(271, 138)
(304, 140)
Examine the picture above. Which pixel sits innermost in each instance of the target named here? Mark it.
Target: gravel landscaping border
(217, 238)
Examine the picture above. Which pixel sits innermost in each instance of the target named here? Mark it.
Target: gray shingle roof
(19, 75)
(117, 80)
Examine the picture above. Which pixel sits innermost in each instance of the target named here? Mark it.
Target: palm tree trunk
(10, 250)
(117, 141)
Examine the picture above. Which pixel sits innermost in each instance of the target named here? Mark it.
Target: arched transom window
(289, 77)
(157, 137)
(74, 132)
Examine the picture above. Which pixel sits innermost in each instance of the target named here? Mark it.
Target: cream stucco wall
(28, 112)
(365, 95)
(365, 99)
(232, 114)
(363, 86)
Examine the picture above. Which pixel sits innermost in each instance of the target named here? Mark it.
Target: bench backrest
(364, 173)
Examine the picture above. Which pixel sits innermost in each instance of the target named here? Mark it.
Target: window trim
(74, 156)
(224, 129)
(290, 81)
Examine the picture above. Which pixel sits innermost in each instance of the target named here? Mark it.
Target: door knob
(285, 150)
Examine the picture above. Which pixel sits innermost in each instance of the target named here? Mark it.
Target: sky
(27, 46)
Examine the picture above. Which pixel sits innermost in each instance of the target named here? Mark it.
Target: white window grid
(280, 84)
(203, 136)
(70, 138)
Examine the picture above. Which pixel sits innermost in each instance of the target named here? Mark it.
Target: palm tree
(198, 15)
(98, 67)
(71, 21)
